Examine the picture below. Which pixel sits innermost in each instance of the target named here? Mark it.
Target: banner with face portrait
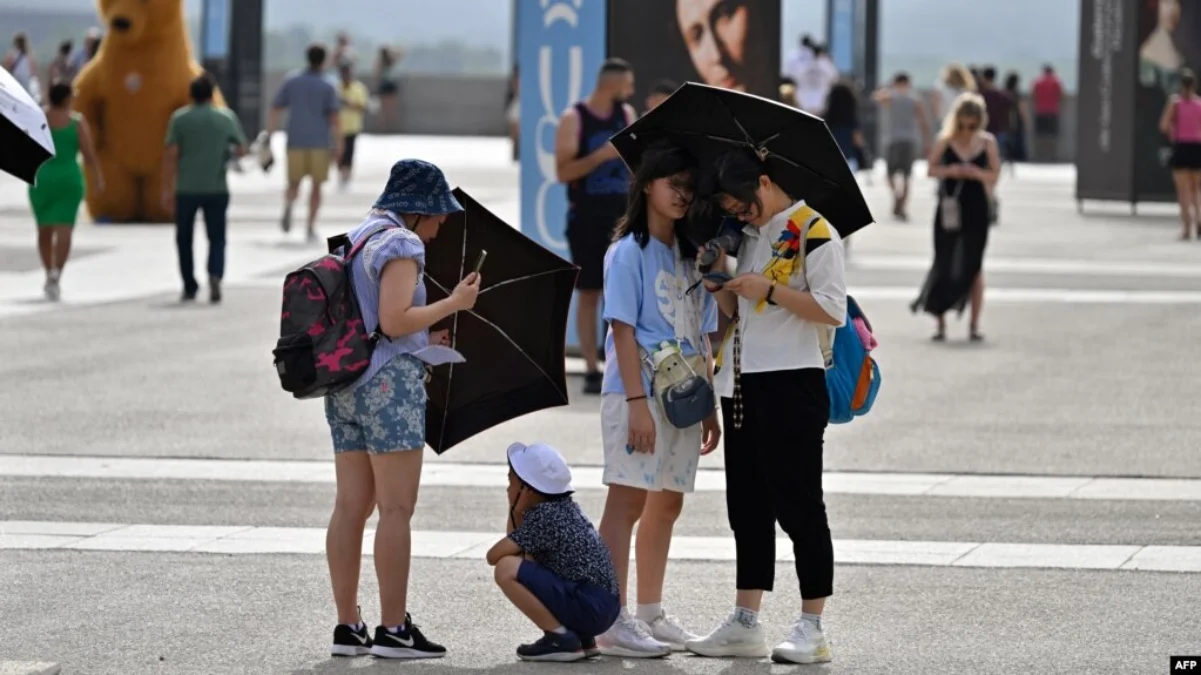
(1169, 39)
(725, 43)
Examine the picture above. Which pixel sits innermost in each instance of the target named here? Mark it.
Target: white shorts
(672, 466)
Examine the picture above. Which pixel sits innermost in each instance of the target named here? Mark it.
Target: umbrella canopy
(24, 133)
(801, 154)
(513, 339)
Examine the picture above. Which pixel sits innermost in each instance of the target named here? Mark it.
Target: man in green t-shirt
(201, 139)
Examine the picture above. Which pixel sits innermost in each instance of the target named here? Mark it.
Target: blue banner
(843, 34)
(214, 29)
(561, 45)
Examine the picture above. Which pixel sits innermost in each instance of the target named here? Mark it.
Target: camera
(728, 239)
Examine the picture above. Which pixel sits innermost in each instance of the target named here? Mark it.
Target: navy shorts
(584, 609)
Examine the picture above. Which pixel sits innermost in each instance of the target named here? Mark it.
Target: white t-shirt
(774, 338)
(814, 83)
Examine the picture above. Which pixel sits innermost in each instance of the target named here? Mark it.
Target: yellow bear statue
(127, 93)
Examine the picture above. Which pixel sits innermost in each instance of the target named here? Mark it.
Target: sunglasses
(972, 126)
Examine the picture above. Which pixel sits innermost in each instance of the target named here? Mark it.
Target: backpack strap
(825, 339)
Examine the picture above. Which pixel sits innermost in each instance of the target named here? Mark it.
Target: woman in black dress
(967, 163)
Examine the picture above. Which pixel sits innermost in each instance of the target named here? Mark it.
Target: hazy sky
(971, 31)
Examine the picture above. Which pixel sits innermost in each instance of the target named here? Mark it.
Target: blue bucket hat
(416, 186)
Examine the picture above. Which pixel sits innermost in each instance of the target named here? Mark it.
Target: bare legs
(658, 512)
(344, 538)
(521, 597)
(1186, 195)
(977, 299)
(54, 245)
(391, 480)
(397, 476)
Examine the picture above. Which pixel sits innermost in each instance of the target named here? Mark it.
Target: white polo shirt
(774, 338)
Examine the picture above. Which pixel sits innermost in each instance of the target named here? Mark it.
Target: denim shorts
(384, 414)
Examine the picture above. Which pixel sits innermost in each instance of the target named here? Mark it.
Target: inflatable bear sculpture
(127, 93)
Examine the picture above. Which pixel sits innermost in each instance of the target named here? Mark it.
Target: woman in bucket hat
(378, 424)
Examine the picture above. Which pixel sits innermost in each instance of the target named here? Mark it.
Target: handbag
(684, 395)
(948, 208)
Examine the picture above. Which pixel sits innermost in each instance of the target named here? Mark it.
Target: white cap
(541, 467)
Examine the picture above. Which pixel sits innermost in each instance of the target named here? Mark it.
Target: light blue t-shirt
(642, 290)
(310, 99)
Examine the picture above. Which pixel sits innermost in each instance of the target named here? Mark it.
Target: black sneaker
(555, 647)
(214, 290)
(351, 642)
(406, 643)
(590, 648)
(285, 221)
(592, 383)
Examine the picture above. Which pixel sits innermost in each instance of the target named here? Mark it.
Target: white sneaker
(51, 289)
(805, 644)
(630, 638)
(732, 639)
(667, 629)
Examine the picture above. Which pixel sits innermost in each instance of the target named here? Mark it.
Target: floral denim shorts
(384, 414)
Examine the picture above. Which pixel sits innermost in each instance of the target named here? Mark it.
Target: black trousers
(214, 208)
(774, 474)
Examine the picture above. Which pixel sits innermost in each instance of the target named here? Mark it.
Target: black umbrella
(513, 339)
(801, 154)
(24, 134)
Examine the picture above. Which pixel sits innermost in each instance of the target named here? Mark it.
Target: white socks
(648, 613)
(747, 617)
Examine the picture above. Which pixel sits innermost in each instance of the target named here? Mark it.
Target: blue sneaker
(554, 647)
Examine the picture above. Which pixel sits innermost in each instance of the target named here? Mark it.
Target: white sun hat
(541, 467)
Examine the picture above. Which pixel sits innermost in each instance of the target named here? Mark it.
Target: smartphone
(479, 262)
(717, 277)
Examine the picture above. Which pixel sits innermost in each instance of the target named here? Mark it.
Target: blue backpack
(852, 375)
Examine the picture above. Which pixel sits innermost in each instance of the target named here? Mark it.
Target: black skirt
(1186, 156)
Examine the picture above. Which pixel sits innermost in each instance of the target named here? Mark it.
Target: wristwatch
(771, 291)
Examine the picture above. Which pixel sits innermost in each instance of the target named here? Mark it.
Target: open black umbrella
(24, 134)
(513, 339)
(801, 154)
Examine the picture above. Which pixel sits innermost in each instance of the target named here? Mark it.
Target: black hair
(989, 73)
(665, 87)
(59, 93)
(1048, 69)
(615, 65)
(1188, 79)
(65, 47)
(201, 89)
(1012, 82)
(901, 78)
(21, 42)
(315, 55)
(842, 106)
(735, 174)
(662, 159)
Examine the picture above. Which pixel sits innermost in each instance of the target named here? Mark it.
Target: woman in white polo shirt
(775, 406)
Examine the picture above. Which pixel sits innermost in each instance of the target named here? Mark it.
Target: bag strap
(825, 339)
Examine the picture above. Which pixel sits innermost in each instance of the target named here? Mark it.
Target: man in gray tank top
(906, 132)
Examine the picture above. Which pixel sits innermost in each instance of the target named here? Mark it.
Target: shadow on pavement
(602, 665)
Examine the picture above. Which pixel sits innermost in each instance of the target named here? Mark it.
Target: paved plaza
(1027, 505)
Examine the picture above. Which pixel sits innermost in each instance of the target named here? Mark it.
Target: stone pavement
(1030, 504)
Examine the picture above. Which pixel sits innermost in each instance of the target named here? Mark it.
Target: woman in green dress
(58, 189)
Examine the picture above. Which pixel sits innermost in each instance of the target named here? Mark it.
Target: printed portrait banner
(561, 45)
(1169, 39)
(725, 43)
(1105, 145)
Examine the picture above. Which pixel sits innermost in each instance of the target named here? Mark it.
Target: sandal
(976, 336)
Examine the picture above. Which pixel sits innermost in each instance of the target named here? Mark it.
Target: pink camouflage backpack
(323, 345)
